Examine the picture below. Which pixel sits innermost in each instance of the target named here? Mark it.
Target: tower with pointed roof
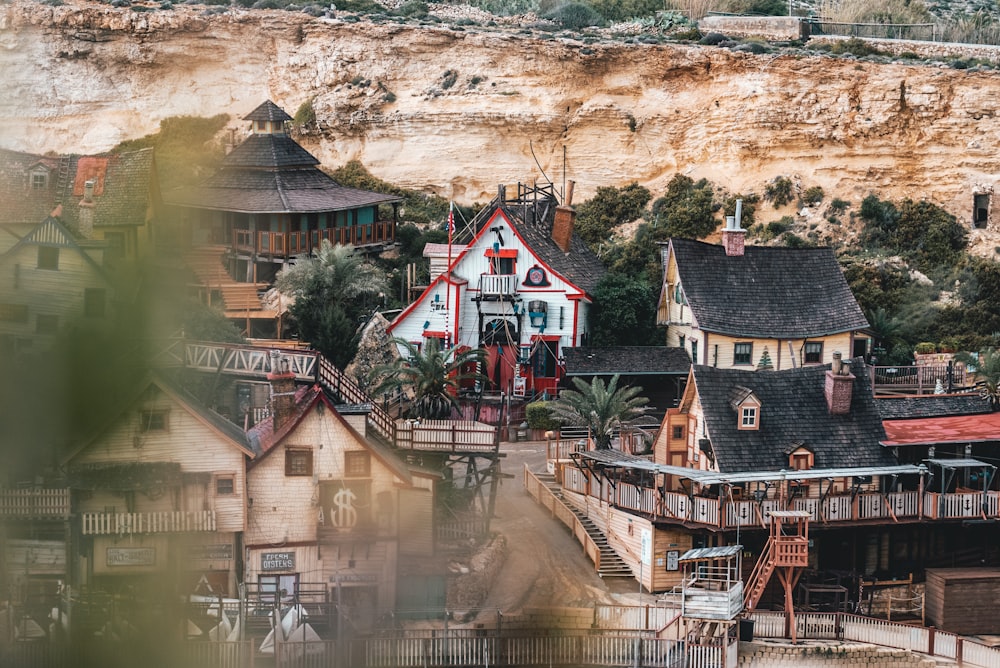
(270, 203)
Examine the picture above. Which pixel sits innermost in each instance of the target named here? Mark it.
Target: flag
(451, 218)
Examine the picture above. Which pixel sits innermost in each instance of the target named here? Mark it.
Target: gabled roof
(125, 187)
(626, 360)
(228, 431)
(785, 293)
(50, 232)
(793, 410)
(268, 111)
(264, 439)
(932, 406)
(579, 266)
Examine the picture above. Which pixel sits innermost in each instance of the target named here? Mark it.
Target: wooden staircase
(611, 564)
(759, 577)
(238, 300)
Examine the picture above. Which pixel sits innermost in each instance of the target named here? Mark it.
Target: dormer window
(747, 407)
(39, 181)
(748, 417)
(800, 457)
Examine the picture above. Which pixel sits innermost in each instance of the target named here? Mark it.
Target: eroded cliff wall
(83, 77)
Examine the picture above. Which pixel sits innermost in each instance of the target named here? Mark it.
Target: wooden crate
(963, 600)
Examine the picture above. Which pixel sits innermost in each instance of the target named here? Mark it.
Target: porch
(34, 503)
(107, 524)
(290, 244)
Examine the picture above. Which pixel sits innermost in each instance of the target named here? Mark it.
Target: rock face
(458, 111)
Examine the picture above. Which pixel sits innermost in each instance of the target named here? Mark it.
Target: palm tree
(987, 374)
(433, 376)
(599, 407)
(886, 330)
(333, 290)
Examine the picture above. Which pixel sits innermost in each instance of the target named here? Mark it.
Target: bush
(779, 191)
(856, 47)
(712, 39)
(414, 9)
(609, 208)
(389, 97)
(575, 16)
(925, 348)
(539, 416)
(686, 209)
(812, 196)
(839, 205)
(448, 79)
(305, 115)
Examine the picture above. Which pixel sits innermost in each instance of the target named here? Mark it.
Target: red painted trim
(545, 337)
(458, 319)
(432, 334)
(533, 254)
(576, 319)
(503, 252)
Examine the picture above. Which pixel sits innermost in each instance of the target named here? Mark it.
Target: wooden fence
(34, 503)
(547, 498)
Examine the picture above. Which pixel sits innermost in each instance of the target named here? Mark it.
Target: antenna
(537, 164)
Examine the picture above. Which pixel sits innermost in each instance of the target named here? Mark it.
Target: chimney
(282, 390)
(85, 213)
(733, 235)
(838, 387)
(564, 221)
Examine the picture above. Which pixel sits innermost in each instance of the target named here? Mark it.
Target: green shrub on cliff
(185, 148)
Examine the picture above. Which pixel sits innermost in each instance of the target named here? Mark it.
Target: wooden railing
(917, 379)
(857, 628)
(446, 435)
(104, 524)
(544, 496)
(287, 244)
(497, 285)
(34, 503)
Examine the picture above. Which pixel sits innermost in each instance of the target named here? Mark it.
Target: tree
(599, 407)
(609, 208)
(886, 329)
(686, 210)
(333, 291)
(624, 312)
(433, 376)
(987, 374)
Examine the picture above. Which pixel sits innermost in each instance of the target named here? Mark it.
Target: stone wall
(777, 28)
(469, 585)
(930, 50)
(824, 654)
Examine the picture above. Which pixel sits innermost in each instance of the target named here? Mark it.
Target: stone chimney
(564, 221)
(733, 236)
(838, 387)
(282, 390)
(85, 213)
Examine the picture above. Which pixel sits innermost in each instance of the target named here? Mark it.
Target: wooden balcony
(180, 521)
(497, 286)
(288, 244)
(446, 436)
(34, 503)
(905, 380)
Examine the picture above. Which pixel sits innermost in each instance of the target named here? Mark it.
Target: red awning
(502, 252)
(932, 431)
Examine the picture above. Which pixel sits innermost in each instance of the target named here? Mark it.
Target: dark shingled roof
(626, 360)
(932, 405)
(268, 111)
(128, 187)
(793, 410)
(269, 151)
(580, 266)
(784, 293)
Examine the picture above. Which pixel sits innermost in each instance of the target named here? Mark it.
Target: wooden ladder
(759, 577)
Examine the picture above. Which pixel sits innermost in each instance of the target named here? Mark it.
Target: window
(48, 257)
(153, 420)
(743, 353)
(502, 265)
(748, 417)
(116, 244)
(39, 180)
(801, 461)
(813, 352)
(46, 324)
(677, 433)
(14, 312)
(93, 302)
(545, 358)
(694, 351)
(357, 464)
(225, 485)
(298, 462)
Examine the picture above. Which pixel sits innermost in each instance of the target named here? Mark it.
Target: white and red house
(521, 288)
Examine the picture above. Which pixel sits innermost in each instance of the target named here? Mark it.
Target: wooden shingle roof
(268, 111)
(932, 406)
(626, 360)
(785, 293)
(793, 410)
(269, 151)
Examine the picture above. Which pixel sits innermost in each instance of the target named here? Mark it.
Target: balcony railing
(34, 503)
(497, 285)
(287, 244)
(446, 435)
(107, 524)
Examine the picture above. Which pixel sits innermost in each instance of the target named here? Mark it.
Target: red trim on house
(432, 334)
(412, 307)
(576, 322)
(503, 252)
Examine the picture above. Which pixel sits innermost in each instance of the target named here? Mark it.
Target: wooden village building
(333, 514)
(740, 306)
(521, 288)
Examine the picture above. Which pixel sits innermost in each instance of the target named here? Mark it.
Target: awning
(942, 430)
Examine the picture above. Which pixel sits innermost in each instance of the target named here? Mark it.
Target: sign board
(214, 552)
(520, 385)
(673, 560)
(353, 577)
(645, 545)
(131, 556)
(277, 561)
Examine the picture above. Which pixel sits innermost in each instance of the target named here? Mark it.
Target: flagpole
(447, 311)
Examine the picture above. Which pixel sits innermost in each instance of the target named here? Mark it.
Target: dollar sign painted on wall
(343, 515)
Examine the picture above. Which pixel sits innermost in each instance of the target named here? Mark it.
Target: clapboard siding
(187, 441)
(35, 557)
(955, 599)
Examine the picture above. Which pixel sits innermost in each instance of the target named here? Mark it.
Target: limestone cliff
(83, 77)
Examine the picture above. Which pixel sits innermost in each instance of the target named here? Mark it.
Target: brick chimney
(282, 390)
(838, 387)
(564, 221)
(85, 213)
(733, 236)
